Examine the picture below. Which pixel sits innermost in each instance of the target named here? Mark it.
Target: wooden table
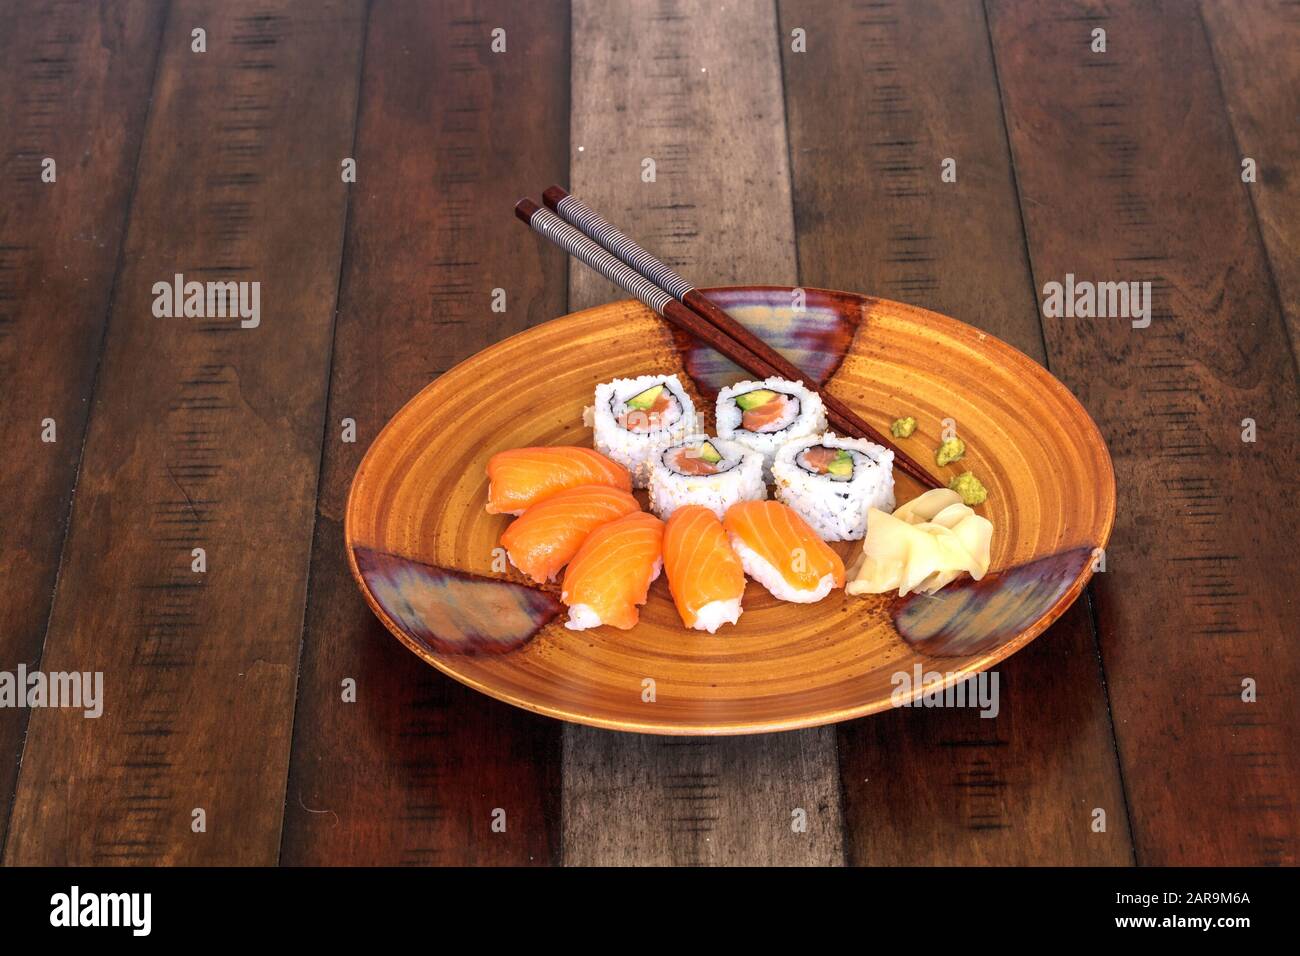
(797, 143)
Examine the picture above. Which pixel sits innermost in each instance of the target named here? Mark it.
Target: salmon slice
(521, 477)
(611, 573)
(779, 551)
(704, 574)
(548, 534)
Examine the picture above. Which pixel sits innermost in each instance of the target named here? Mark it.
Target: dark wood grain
(450, 135)
(1257, 53)
(1127, 170)
(884, 93)
(203, 434)
(74, 89)
(695, 87)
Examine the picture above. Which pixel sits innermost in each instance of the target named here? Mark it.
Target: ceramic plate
(425, 552)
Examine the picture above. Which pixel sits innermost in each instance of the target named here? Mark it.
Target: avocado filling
(752, 400)
(647, 411)
(835, 462)
(701, 459)
(764, 411)
(644, 401)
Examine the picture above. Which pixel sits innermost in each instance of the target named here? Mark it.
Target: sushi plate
(427, 558)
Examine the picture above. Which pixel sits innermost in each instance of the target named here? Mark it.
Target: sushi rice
(632, 436)
(717, 613)
(682, 475)
(793, 412)
(834, 505)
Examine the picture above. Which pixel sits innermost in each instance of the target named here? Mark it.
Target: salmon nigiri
(547, 535)
(521, 477)
(611, 573)
(704, 574)
(780, 552)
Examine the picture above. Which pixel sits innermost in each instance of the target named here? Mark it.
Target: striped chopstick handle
(575, 211)
(593, 254)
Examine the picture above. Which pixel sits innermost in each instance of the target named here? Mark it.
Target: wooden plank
(884, 93)
(74, 89)
(205, 433)
(1257, 53)
(697, 89)
(413, 772)
(1127, 172)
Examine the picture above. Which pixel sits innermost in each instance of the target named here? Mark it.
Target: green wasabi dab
(949, 451)
(903, 427)
(969, 487)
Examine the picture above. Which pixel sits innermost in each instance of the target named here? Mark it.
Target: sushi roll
(830, 482)
(521, 477)
(546, 536)
(705, 471)
(779, 551)
(704, 574)
(612, 572)
(635, 418)
(765, 415)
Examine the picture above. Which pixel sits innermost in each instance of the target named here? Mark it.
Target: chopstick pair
(585, 234)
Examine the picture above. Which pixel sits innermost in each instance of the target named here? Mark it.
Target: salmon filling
(689, 461)
(820, 460)
(769, 416)
(641, 420)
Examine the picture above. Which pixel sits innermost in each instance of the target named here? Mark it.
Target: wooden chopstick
(844, 419)
(577, 213)
(591, 238)
(629, 280)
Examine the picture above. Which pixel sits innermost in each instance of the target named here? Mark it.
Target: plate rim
(976, 665)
